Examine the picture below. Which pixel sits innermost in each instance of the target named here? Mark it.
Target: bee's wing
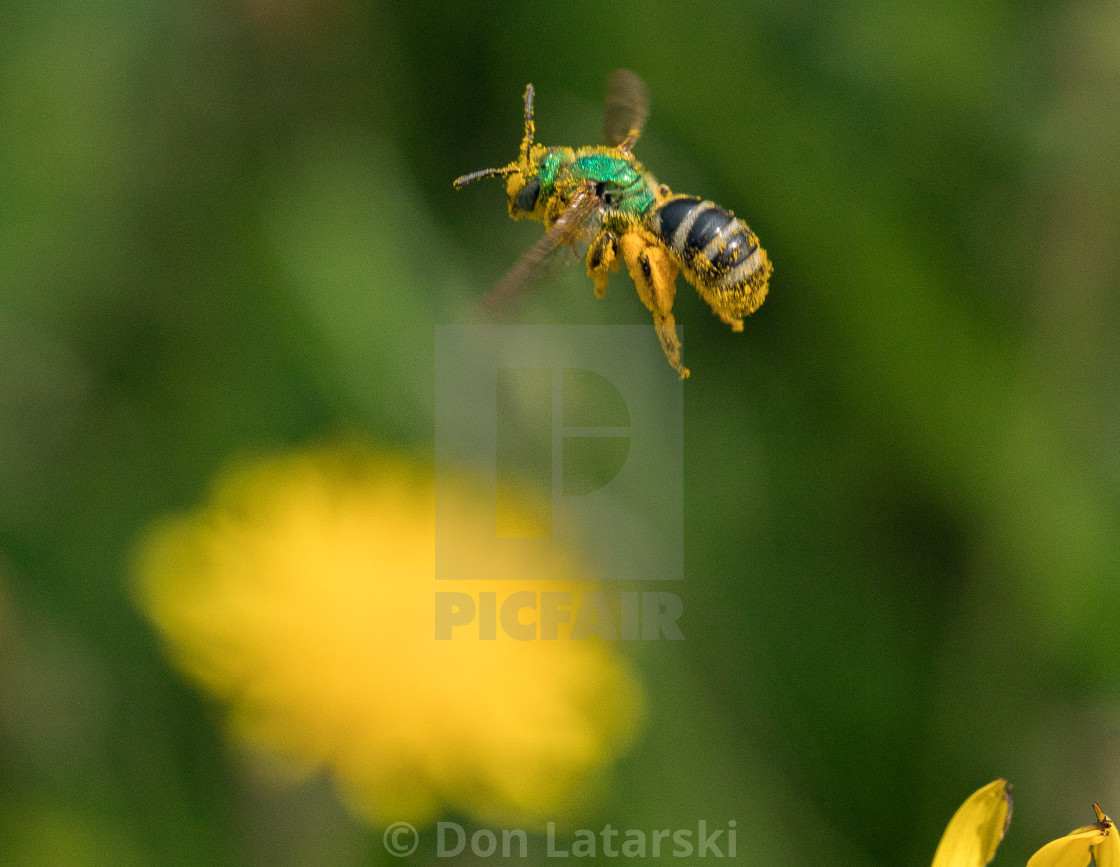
(626, 108)
(570, 228)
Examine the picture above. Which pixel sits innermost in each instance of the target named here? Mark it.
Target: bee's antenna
(530, 127)
(526, 146)
(483, 173)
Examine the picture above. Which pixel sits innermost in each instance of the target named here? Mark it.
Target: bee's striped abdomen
(720, 254)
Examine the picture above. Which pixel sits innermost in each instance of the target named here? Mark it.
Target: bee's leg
(602, 258)
(655, 275)
(735, 322)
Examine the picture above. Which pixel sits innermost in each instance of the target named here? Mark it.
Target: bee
(602, 195)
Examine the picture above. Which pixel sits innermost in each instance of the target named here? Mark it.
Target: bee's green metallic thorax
(625, 184)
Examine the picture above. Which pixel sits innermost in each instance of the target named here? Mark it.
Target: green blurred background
(228, 228)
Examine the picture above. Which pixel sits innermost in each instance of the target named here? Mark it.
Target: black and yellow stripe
(718, 252)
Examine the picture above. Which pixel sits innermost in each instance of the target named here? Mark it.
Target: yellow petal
(1069, 851)
(1098, 842)
(976, 829)
(1107, 852)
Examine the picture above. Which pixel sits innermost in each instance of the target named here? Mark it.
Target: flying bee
(604, 194)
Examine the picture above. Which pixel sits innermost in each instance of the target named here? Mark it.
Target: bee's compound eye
(527, 195)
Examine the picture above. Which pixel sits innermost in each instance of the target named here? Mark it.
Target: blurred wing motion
(569, 229)
(626, 109)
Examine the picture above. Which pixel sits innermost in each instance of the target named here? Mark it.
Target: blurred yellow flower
(1097, 844)
(303, 596)
(977, 828)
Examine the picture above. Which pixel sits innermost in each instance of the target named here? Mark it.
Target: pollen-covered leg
(602, 259)
(655, 274)
(736, 324)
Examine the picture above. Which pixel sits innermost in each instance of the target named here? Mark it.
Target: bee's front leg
(655, 275)
(602, 258)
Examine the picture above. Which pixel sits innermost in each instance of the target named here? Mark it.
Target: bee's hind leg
(735, 322)
(602, 259)
(655, 275)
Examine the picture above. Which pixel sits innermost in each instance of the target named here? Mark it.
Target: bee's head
(531, 183)
(524, 191)
(533, 172)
